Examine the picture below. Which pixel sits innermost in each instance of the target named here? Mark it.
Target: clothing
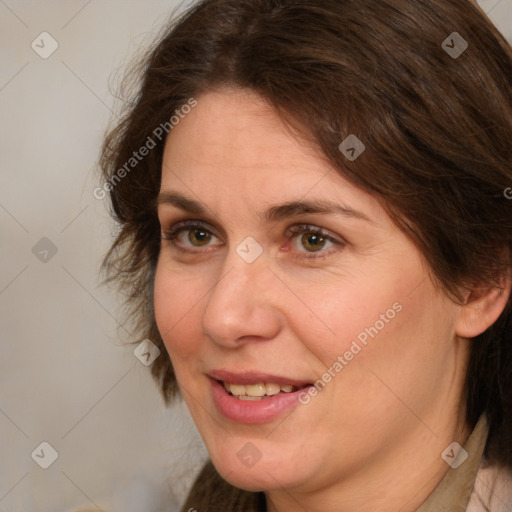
(474, 486)
(469, 488)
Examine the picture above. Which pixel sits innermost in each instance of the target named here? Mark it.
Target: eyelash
(302, 229)
(186, 226)
(291, 232)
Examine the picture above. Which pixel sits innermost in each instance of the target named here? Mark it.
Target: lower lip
(248, 411)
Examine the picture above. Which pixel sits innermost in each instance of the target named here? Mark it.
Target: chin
(261, 476)
(254, 480)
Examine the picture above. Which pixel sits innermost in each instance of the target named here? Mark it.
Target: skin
(372, 438)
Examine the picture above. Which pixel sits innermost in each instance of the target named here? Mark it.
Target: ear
(483, 307)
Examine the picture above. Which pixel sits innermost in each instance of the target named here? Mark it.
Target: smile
(255, 392)
(252, 397)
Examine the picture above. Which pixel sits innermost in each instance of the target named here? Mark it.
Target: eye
(190, 236)
(198, 237)
(313, 241)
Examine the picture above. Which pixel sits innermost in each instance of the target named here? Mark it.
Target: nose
(243, 306)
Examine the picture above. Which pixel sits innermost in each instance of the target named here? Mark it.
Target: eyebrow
(303, 207)
(272, 214)
(181, 202)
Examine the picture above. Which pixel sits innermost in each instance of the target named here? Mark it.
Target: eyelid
(293, 231)
(172, 234)
(188, 224)
(298, 229)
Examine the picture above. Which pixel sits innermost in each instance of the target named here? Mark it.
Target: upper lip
(254, 377)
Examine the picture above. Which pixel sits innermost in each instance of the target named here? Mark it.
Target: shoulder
(492, 491)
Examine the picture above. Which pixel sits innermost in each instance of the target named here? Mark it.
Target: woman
(314, 232)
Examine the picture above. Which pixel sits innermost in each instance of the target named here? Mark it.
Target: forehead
(234, 145)
(235, 128)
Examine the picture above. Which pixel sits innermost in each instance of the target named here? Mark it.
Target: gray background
(65, 376)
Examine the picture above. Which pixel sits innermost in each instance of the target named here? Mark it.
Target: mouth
(258, 391)
(253, 397)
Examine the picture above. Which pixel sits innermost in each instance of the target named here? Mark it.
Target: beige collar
(453, 492)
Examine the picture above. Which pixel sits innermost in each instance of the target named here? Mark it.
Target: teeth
(255, 392)
(237, 389)
(272, 389)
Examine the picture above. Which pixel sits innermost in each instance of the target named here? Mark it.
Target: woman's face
(275, 272)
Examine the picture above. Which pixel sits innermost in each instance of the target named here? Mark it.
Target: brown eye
(313, 242)
(199, 237)
(191, 237)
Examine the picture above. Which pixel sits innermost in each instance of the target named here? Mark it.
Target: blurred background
(82, 425)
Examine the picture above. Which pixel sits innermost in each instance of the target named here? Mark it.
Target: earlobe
(482, 308)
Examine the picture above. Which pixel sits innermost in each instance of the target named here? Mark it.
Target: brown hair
(437, 127)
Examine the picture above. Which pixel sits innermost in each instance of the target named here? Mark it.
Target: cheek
(177, 312)
(339, 313)
(402, 360)
(386, 323)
